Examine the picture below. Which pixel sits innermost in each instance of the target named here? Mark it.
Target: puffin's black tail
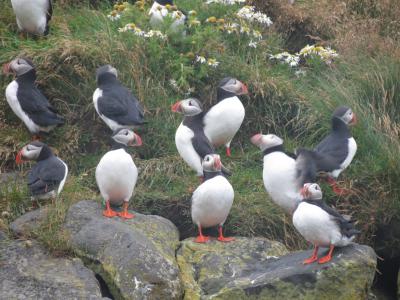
(306, 166)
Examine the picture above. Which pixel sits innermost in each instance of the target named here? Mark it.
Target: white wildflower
(201, 59)
(192, 13)
(253, 44)
(299, 73)
(326, 54)
(257, 34)
(114, 15)
(155, 33)
(226, 2)
(127, 27)
(213, 62)
(248, 13)
(286, 57)
(173, 83)
(231, 27)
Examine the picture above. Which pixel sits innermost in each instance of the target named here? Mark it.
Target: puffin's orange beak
(18, 158)
(6, 68)
(244, 90)
(138, 141)
(353, 120)
(176, 107)
(255, 139)
(217, 163)
(304, 192)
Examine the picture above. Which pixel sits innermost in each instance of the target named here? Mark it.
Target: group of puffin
(289, 179)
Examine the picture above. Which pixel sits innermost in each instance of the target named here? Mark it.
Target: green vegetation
(365, 76)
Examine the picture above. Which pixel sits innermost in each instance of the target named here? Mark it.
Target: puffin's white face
(106, 69)
(349, 117)
(29, 152)
(311, 191)
(266, 141)
(188, 107)
(127, 137)
(233, 85)
(212, 163)
(19, 66)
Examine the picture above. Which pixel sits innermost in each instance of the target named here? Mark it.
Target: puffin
(320, 224)
(190, 140)
(27, 101)
(47, 177)
(337, 150)
(281, 176)
(114, 103)
(116, 173)
(159, 10)
(33, 16)
(223, 120)
(212, 200)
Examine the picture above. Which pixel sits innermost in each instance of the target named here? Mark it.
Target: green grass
(296, 108)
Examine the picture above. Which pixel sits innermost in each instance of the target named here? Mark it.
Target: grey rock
(27, 271)
(136, 257)
(28, 222)
(248, 271)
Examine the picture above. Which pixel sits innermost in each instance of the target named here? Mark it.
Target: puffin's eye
(126, 132)
(190, 103)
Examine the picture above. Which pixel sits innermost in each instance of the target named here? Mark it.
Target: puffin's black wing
(335, 148)
(306, 166)
(45, 176)
(38, 108)
(118, 104)
(49, 11)
(202, 145)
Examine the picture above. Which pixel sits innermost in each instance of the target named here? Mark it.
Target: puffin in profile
(47, 178)
(281, 175)
(161, 8)
(223, 120)
(114, 103)
(212, 200)
(116, 173)
(337, 150)
(27, 101)
(320, 224)
(33, 16)
(190, 140)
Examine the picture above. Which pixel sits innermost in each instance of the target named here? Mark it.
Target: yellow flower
(190, 55)
(168, 6)
(221, 21)
(192, 13)
(114, 13)
(121, 7)
(211, 20)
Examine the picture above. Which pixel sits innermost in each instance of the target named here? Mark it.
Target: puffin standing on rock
(26, 100)
(33, 16)
(114, 103)
(116, 173)
(281, 175)
(223, 120)
(320, 224)
(47, 178)
(190, 140)
(212, 200)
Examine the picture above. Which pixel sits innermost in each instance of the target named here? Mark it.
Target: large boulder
(27, 271)
(25, 224)
(135, 257)
(253, 268)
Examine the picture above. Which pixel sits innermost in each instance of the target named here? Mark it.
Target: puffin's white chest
(61, 185)
(212, 201)
(116, 176)
(352, 148)
(183, 141)
(157, 13)
(316, 225)
(223, 120)
(279, 175)
(31, 14)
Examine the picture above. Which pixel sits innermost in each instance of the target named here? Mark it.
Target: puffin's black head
(345, 114)
(188, 107)
(231, 86)
(127, 137)
(212, 163)
(19, 66)
(311, 191)
(266, 141)
(106, 71)
(165, 2)
(33, 151)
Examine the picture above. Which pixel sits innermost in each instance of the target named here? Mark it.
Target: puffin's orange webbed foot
(314, 257)
(221, 237)
(228, 151)
(328, 257)
(125, 214)
(202, 239)
(108, 212)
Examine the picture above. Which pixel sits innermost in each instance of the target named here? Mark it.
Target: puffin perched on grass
(114, 103)
(212, 200)
(320, 224)
(27, 101)
(161, 9)
(33, 16)
(282, 173)
(47, 178)
(116, 173)
(223, 120)
(190, 140)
